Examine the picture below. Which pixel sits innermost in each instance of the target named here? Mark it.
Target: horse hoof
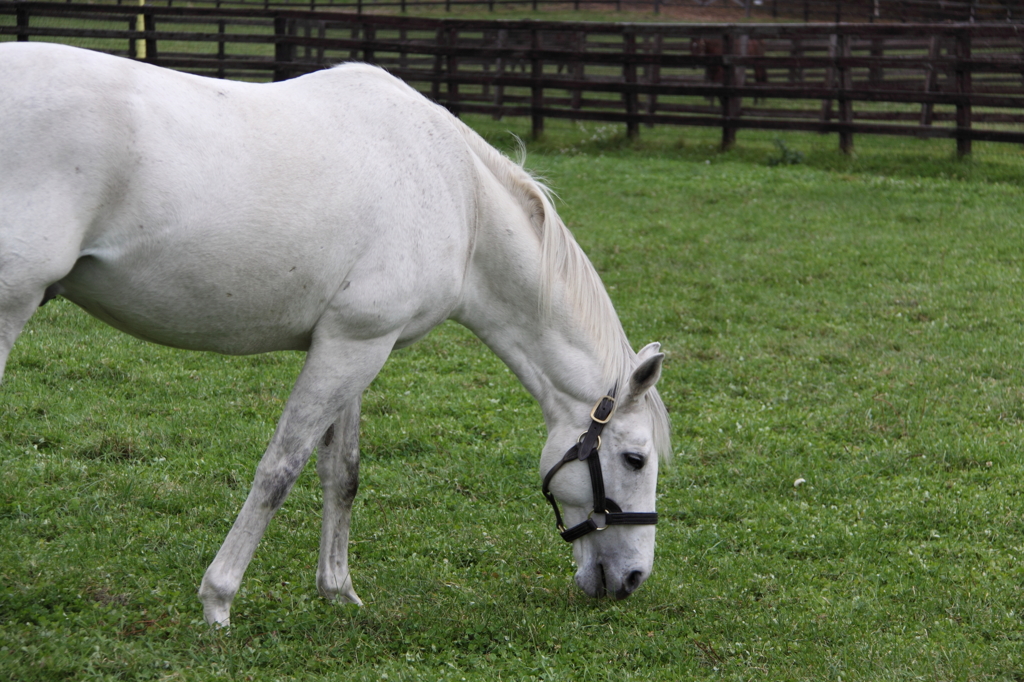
(347, 597)
(216, 618)
(344, 595)
(216, 604)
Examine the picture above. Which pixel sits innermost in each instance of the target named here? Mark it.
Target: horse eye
(635, 460)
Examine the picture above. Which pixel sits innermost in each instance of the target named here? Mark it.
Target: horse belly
(239, 302)
(238, 311)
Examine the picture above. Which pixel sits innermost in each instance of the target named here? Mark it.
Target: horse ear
(647, 372)
(647, 351)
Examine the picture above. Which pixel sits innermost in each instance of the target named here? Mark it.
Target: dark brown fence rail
(918, 11)
(956, 81)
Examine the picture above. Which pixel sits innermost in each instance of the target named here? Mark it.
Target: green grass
(852, 321)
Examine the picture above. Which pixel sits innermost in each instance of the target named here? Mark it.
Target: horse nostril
(629, 585)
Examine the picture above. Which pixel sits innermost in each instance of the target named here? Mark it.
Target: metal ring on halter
(590, 516)
(584, 435)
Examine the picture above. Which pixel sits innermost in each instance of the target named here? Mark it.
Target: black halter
(586, 449)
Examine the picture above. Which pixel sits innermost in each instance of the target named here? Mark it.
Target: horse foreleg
(334, 372)
(337, 464)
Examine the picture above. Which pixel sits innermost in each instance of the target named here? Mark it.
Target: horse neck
(562, 358)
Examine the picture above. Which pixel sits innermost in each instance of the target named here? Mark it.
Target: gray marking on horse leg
(338, 467)
(277, 489)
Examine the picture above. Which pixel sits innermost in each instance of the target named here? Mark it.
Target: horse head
(607, 480)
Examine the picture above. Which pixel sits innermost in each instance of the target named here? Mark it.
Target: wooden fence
(956, 81)
(903, 11)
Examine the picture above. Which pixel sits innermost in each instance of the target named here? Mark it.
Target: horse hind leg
(32, 260)
(338, 467)
(17, 303)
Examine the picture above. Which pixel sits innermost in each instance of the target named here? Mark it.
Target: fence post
(284, 51)
(576, 67)
(930, 80)
(845, 104)
(629, 77)
(653, 77)
(537, 90)
(369, 35)
(499, 71)
(830, 76)
(875, 73)
(149, 23)
(453, 72)
(139, 49)
(221, 29)
(307, 32)
(963, 89)
(403, 53)
(796, 50)
(435, 84)
(133, 44)
(730, 78)
(321, 33)
(22, 20)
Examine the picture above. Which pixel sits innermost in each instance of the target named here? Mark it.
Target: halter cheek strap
(586, 449)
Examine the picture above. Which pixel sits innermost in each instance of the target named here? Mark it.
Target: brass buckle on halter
(596, 527)
(597, 405)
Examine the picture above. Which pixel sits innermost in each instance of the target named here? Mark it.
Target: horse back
(223, 206)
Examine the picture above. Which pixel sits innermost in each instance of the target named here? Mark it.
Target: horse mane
(563, 259)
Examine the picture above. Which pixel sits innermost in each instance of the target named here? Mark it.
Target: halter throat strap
(587, 449)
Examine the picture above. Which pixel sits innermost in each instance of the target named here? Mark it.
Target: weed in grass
(786, 156)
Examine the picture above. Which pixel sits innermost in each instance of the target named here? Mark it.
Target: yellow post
(140, 25)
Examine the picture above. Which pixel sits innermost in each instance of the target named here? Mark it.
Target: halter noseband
(586, 449)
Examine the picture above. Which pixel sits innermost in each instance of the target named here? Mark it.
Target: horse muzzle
(599, 580)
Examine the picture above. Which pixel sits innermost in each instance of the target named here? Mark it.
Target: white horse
(340, 213)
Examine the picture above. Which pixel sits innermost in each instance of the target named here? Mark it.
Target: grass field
(856, 322)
